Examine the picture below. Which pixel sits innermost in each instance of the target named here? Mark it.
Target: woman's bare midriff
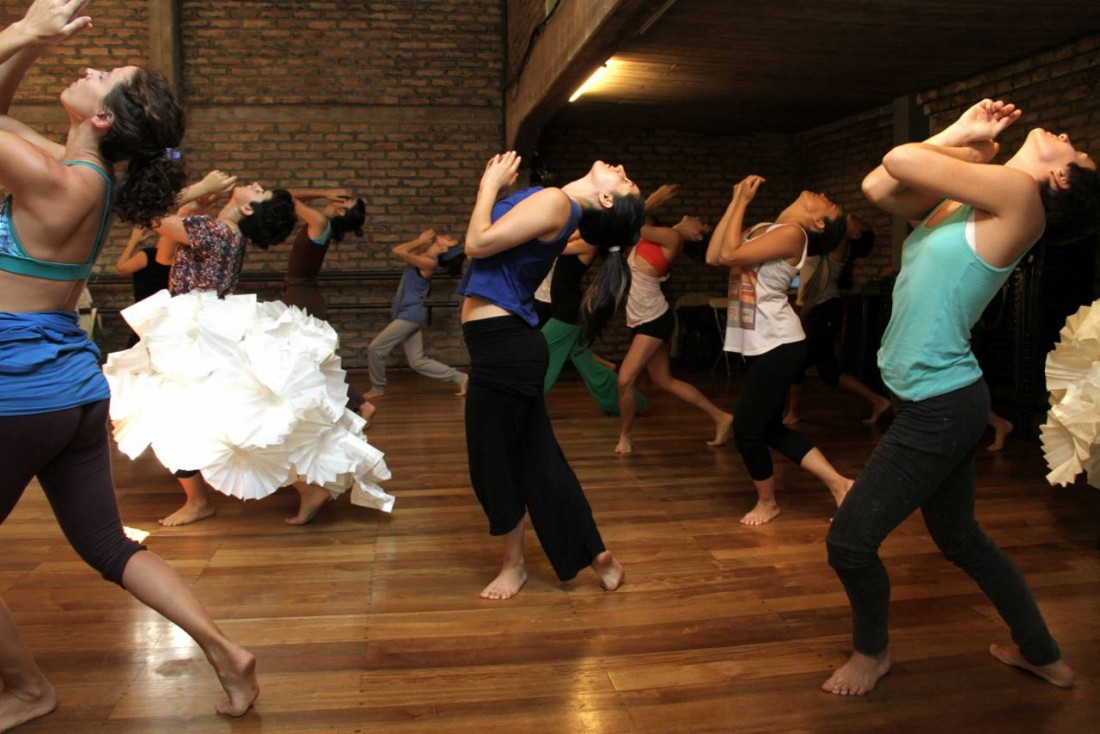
(24, 294)
(476, 309)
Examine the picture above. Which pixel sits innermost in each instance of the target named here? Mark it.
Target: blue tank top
(941, 291)
(14, 259)
(408, 304)
(509, 279)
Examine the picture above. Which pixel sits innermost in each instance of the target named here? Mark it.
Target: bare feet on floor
(791, 419)
(1058, 673)
(858, 676)
(310, 500)
(609, 570)
(237, 674)
(878, 409)
(764, 512)
(723, 429)
(625, 446)
(189, 513)
(1001, 429)
(373, 394)
(18, 706)
(463, 385)
(367, 411)
(507, 583)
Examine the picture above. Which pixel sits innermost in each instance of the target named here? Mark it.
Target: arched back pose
(763, 327)
(53, 396)
(652, 321)
(516, 464)
(562, 329)
(423, 257)
(207, 255)
(977, 221)
(822, 314)
(340, 214)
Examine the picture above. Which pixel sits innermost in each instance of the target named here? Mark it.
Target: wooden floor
(368, 622)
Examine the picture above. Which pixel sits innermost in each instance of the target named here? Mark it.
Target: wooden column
(164, 40)
(910, 125)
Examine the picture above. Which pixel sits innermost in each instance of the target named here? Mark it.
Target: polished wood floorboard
(368, 622)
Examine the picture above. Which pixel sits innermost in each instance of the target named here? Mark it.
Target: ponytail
(611, 230)
(147, 128)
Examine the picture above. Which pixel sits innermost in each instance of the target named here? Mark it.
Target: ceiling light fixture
(595, 77)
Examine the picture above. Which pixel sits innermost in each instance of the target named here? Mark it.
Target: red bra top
(652, 253)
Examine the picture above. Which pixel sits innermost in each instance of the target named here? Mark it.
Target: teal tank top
(14, 259)
(940, 293)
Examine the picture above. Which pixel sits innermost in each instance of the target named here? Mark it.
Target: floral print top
(213, 260)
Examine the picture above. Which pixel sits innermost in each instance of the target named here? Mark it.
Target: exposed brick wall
(119, 37)
(440, 52)
(522, 17)
(705, 166)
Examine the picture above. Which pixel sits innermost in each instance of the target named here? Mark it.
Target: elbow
(473, 251)
(898, 160)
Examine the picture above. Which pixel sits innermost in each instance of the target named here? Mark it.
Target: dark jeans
(758, 418)
(925, 460)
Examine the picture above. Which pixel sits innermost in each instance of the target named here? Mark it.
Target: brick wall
(522, 16)
(119, 37)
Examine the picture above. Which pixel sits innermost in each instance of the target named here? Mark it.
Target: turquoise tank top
(941, 291)
(14, 259)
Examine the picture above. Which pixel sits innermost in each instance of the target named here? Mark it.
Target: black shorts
(659, 328)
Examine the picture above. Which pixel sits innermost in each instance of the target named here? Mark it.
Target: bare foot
(723, 429)
(18, 706)
(625, 446)
(764, 512)
(858, 676)
(464, 384)
(367, 411)
(609, 570)
(189, 513)
(507, 583)
(310, 501)
(373, 394)
(841, 490)
(1058, 673)
(1001, 429)
(791, 419)
(237, 674)
(878, 407)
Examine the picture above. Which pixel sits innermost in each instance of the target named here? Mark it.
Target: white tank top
(645, 302)
(543, 291)
(760, 317)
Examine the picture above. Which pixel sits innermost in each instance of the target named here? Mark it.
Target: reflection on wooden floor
(367, 622)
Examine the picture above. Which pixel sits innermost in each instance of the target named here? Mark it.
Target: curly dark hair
(148, 123)
(1072, 213)
(350, 221)
(271, 221)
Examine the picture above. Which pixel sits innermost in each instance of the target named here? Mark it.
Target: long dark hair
(828, 238)
(612, 230)
(350, 221)
(147, 128)
(1072, 213)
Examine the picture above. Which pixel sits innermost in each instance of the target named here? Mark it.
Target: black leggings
(822, 326)
(68, 451)
(758, 419)
(516, 464)
(925, 460)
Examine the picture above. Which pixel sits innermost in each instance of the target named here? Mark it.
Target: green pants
(603, 384)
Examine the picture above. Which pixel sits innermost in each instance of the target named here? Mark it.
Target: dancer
(516, 464)
(977, 221)
(423, 256)
(822, 314)
(763, 327)
(562, 330)
(342, 213)
(53, 398)
(652, 322)
(207, 254)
